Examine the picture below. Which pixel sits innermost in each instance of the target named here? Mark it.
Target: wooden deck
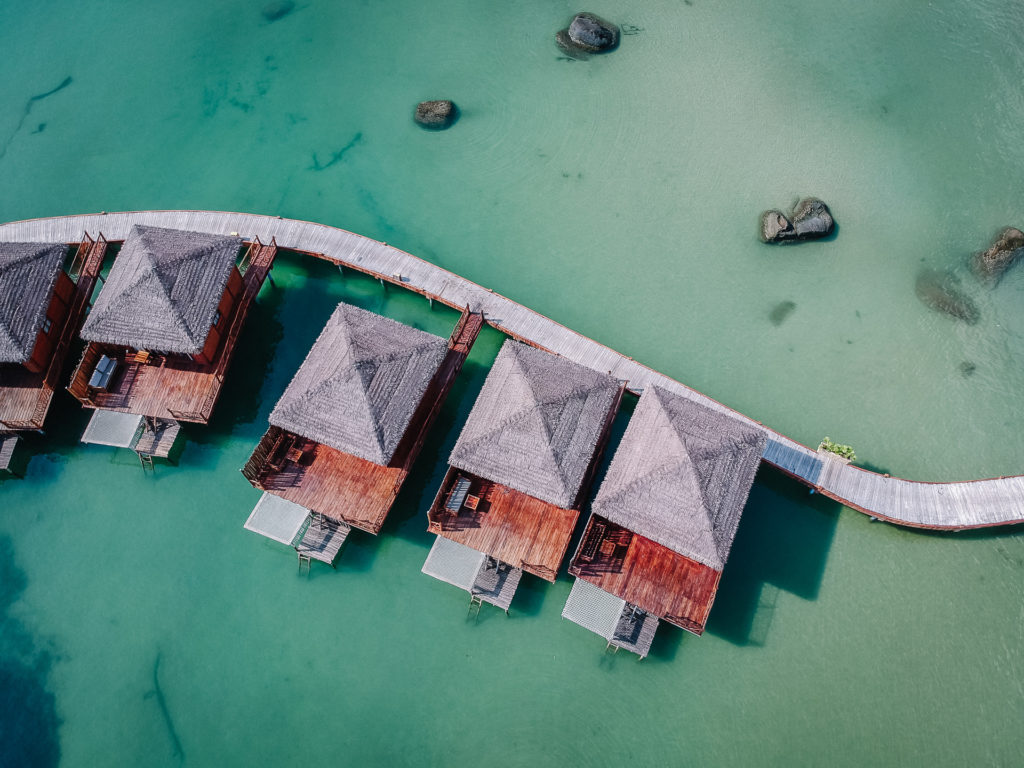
(158, 438)
(25, 397)
(517, 529)
(323, 540)
(642, 572)
(8, 444)
(338, 485)
(172, 387)
(999, 501)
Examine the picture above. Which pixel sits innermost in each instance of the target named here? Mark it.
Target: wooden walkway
(975, 504)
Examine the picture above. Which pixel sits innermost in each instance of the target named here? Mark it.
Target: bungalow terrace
(348, 428)
(162, 333)
(43, 295)
(519, 472)
(663, 521)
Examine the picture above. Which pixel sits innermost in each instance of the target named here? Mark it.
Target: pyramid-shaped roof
(681, 476)
(360, 384)
(536, 424)
(28, 273)
(163, 290)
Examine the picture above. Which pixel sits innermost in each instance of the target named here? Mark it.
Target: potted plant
(836, 451)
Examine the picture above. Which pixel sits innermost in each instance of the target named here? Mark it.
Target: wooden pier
(957, 506)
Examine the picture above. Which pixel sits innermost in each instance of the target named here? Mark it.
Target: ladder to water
(146, 460)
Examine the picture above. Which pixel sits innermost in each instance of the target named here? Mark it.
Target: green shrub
(845, 451)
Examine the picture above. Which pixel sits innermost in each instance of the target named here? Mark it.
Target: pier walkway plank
(973, 504)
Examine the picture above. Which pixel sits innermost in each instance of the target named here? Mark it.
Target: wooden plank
(340, 486)
(998, 501)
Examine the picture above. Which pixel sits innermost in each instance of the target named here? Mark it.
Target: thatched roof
(28, 273)
(536, 424)
(163, 290)
(360, 384)
(681, 476)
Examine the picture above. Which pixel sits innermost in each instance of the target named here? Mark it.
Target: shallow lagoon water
(619, 196)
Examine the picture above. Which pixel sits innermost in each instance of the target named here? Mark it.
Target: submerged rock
(588, 33)
(967, 368)
(781, 311)
(278, 9)
(436, 115)
(941, 291)
(810, 220)
(1007, 248)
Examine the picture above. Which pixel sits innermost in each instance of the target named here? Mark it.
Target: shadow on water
(29, 725)
(782, 544)
(241, 397)
(280, 329)
(408, 518)
(359, 553)
(65, 423)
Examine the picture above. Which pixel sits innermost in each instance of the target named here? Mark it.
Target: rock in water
(775, 226)
(278, 9)
(589, 33)
(810, 220)
(940, 291)
(1007, 248)
(436, 115)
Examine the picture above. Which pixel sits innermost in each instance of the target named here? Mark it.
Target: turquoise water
(139, 624)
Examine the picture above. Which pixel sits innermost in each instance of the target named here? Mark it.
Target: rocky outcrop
(588, 33)
(436, 115)
(1007, 248)
(941, 292)
(810, 220)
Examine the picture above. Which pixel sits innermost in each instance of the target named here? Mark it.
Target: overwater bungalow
(349, 426)
(162, 333)
(519, 472)
(44, 292)
(663, 521)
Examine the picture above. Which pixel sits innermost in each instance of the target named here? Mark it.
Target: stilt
(341, 270)
(270, 279)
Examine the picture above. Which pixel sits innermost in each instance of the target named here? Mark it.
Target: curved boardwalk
(975, 504)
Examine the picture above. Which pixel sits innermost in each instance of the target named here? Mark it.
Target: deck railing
(79, 386)
(89, 270)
